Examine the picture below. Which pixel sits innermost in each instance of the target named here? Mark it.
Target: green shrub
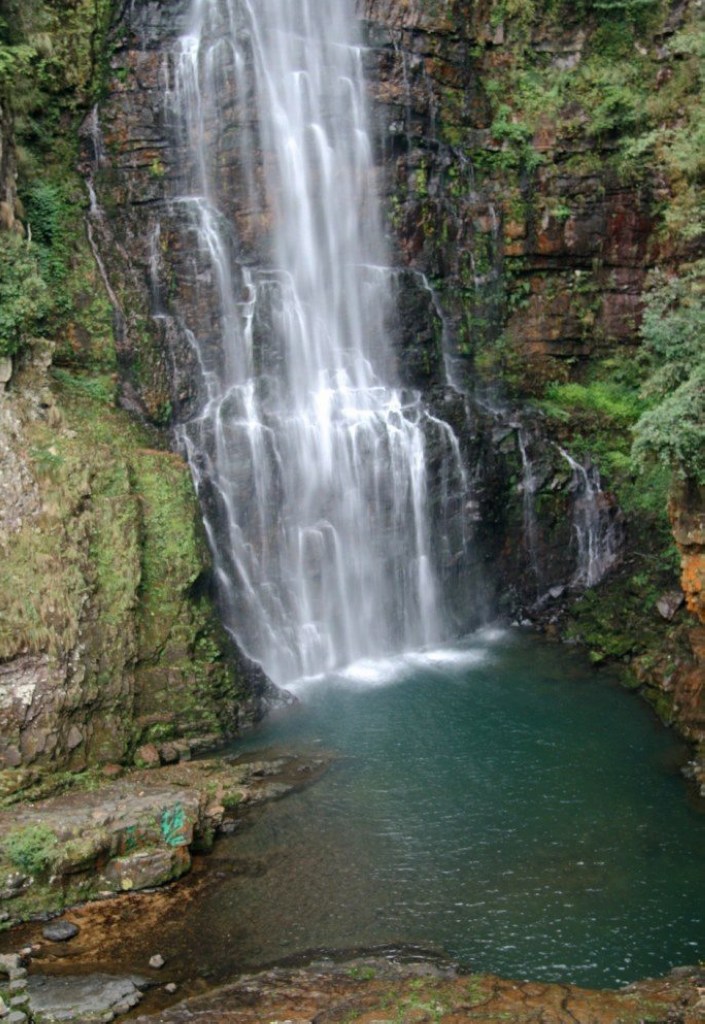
(52, 218)
(14, 61)
(99, 389)
(32, 850)
(608, 398)
(24, 296)
(673, 430)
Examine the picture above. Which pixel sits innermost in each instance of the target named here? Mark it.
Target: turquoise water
(500, 800)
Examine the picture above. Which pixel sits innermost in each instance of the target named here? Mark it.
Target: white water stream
(322, 476)
(597, 531)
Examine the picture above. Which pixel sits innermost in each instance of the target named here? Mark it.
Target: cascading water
(529, 485)
(596, 527)
(320, 478)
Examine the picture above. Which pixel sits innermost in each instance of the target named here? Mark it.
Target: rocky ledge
(396, 989)
(135, 832)
(382, 991)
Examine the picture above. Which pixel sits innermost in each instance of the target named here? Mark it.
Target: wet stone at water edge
(60, 931)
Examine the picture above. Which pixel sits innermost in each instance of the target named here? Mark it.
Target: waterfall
(529, 486)
(322, 481)
(597, 529)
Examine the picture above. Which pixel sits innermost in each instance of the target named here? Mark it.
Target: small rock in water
(170, 988)
(156, 961)
(60, 931)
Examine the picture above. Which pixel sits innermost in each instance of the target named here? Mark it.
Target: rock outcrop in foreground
(379, 991)
(134, 833)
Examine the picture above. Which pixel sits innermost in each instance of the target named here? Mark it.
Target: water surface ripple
(499, 799)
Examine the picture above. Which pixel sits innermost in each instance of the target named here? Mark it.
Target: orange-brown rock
(374, 990)
(687, 510)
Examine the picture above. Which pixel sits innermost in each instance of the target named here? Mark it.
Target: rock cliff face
(688, 519)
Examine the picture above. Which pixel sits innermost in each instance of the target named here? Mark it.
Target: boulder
(669, 603)
(147, 756)
(146, 869)
(60, 931)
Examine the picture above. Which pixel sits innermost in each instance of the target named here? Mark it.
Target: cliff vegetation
(108, 636)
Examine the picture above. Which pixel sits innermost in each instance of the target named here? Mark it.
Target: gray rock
(3, 1008)
(169, 753)
(60, 931)
(74, 738)
(669, 603)
(91, 998)
(171, 988)
(9, 962)
(681, 972)
(156, 961)
(16, 1017)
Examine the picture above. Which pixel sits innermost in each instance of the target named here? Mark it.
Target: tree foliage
(24, 296)
(673, 333)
